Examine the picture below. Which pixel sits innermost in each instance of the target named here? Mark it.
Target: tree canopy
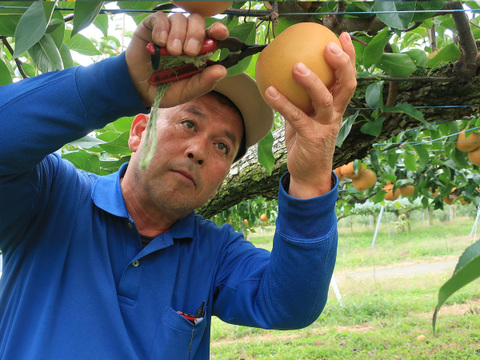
(417, 71)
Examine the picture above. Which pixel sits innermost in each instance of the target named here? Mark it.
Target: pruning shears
(238, 51)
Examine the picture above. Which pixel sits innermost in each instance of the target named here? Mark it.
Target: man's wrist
(302, 190)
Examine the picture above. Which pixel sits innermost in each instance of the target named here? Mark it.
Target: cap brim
(257, 116)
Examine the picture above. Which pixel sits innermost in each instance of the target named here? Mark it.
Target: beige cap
(257, 116)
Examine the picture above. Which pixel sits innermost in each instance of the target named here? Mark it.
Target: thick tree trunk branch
(248, 179)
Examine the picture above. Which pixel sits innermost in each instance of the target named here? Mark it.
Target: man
(119, 267)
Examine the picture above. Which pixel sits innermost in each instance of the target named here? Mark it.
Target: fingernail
(273, 93)
(223, 77)
(162, 37)
(192, 46)
(176, 46)
(349, 38)
(302, 69)
(334, 48)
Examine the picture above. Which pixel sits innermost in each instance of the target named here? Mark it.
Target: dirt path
(409, 269)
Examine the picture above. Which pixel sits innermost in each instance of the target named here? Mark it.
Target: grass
(389, 318)
(422, 243)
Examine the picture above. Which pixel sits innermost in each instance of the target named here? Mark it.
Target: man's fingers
(154, 28)
(193, 42)
(176, 36)
(159, 28)
(188, 89)
(343, 63)
(217, 31)
(284, 107)
(316, 90)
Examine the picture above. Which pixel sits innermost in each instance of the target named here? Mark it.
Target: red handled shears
(238, 51)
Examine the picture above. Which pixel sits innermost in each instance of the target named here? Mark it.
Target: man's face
(196, 145)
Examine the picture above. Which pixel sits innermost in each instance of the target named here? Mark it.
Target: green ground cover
(385, 318)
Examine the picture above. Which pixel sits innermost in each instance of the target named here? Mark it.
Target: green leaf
(101, 22)
(56, 29)
(245, 32)
(374, 127)
(265, 154)
(117, 146)
(392, 160)
(397, 64)
(123, 124)
(393, 13)
(427, 5)
(5, 76)
(84, 161)
(85, 13)
(87, 142)
(374, 50)
(423, 156)
(345, 129)
(29, 69)
(409, 159)
(379, 197)
(137, 5)
(46, 55)
(30, 28)
(82, 45)
(409, 110)
(374, 95)
(66, 56)
(10, 16)
(460, 158)
(467, 270)
(374, 160)
(448, 53)
(283, 24)
(390, 177)
(110, 166)
(418, 57)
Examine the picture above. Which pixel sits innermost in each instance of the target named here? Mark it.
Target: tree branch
(17, 61)
(341, 8)
(467, 65)
(248, 179)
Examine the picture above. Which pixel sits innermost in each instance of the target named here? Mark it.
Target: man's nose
(197, 149)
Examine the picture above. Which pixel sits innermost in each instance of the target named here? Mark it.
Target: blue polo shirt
(77, 283)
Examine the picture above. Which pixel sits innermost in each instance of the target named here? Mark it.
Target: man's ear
(139, 125)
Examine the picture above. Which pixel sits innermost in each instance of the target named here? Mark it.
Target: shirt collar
(107, 195)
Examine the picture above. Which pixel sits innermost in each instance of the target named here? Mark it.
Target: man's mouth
(186, 175)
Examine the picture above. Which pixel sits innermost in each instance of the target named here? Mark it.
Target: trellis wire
(415, 143)
(249, 12)
(420, 107)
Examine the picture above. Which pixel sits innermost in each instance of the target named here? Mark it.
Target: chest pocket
(177, 338)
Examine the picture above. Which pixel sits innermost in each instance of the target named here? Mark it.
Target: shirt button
(130, 226)
(135, 263)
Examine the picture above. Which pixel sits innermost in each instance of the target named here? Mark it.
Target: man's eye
(189, 124)
(223, 148)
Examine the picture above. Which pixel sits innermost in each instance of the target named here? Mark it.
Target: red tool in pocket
(194, 319)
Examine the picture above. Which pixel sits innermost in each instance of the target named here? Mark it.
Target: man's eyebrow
(194, 111)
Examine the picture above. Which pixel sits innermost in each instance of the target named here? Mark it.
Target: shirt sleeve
(41, 114)
(288, 288)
